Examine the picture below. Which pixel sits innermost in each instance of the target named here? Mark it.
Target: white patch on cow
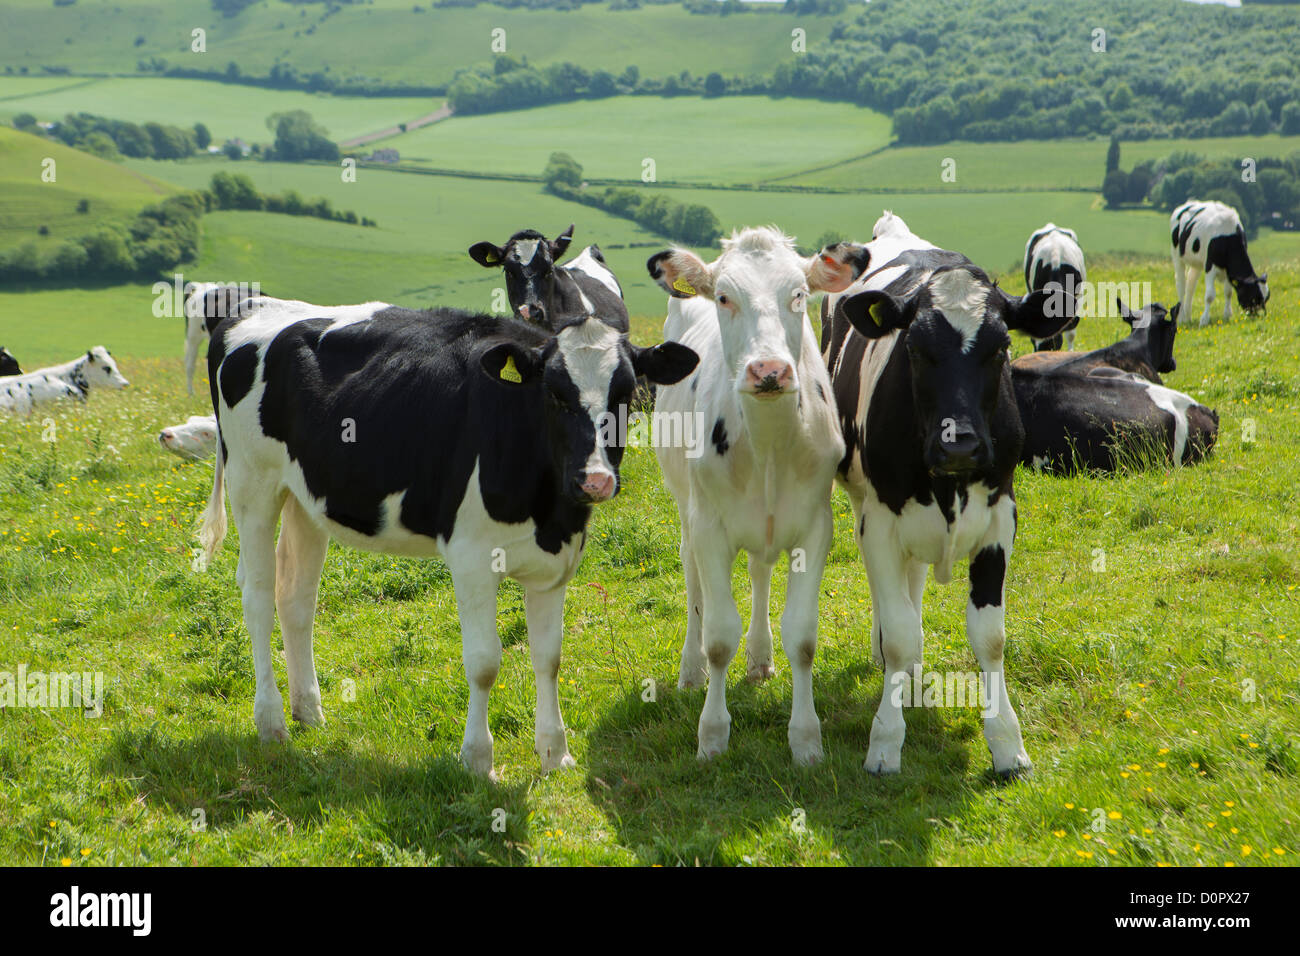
(526, 249)
(589, 265)
(270, 316)
(591, 355)
(962, 299)
(1176, 404)
(925, 535)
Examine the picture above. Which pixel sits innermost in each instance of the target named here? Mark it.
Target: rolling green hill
(424, 48)
(114, 192)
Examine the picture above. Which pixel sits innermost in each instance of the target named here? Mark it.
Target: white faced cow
(540, 291)
(1053, 256)
(764, 485)
(473, 437)
(71, 380)
(196, 439)
(1208, 237)
(917, 351)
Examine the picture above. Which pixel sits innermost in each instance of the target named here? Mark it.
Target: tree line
(690, 223)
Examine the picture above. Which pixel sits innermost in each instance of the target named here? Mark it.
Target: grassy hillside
(27, 202)
(731, 140)
(423, 48)
(1128, 682)
(225, 109)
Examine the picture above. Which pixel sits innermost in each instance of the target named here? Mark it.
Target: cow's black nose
(959, 455)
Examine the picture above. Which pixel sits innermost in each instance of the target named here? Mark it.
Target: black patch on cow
(238, 372)
(720, 436)
(1196, 245)
(987, 570)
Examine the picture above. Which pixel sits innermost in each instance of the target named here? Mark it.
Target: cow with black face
(8, 364)
(917, 352)
(1209, 237)
(540, 291)
(1147, 351)
(475, 437)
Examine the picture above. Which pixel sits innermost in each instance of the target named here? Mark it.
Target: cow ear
(836, 267)
(486, 254)
(665, 364)
(511, 364)
(1173, 313)
(561, 242)
(1040, 314)
(681, 273)
(875, 313)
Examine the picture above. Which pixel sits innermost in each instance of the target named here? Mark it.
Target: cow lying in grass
(1108, 409)
(479, 438)
(196, 439)
(22, 394)
(8, 364)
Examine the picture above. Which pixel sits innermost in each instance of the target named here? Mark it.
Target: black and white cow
(1103, 418)
(1147, 351)
(763, 485)
(540, 291)
(206, 304)
(479, 438)
(8, 364)
(24, 393)
(917, 352)
(1208, 237)
(1053, 256)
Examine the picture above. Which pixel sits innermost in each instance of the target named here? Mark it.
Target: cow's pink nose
(524, 310)
(769, 376)
(599, 485)
(165, 436)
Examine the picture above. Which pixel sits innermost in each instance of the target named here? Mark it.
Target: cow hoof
(806, 745)
(308, 713)
(688, 679)
(713, 739)
(268, 718)
(277, 734)
(757, 673)
(1021, 767)
(880, 764)
(564, 762)
(554, 756)
(478, 760)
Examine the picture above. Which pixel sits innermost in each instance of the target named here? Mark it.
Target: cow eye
(723, 300)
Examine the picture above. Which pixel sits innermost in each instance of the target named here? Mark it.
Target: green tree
(202, 138)
(1112, 155)
(714, 85)
(1114, 188)
(564, 169)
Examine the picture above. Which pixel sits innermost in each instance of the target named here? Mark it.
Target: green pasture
(225, 109)
(424, 48)
(29, 201)
(1157, 689)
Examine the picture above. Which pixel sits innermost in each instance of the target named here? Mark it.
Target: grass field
(27, 201)
(736, 139)
(226, 110)
(1131, 683)
(424, 48)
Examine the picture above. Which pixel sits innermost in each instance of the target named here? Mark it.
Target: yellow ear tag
(681, 285)
(874, 312)
(509, 372)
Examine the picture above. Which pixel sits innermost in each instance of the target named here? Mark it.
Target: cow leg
(545, 613)
(1069, 339)
(799, 638)
(721, 630)
(899, 621)
(1180, 277)
(255, 510)
(1209, 298)
(758, 639)
(916, 572)
(300, 556)
(476, 604)
(986, 632)
(194, 332)
(1227, 294)
(694, 670)
(859, 526)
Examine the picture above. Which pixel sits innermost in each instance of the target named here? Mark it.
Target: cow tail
(213, 529)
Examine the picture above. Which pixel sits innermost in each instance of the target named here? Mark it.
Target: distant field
(225, 109)
(27, 202)
(425, 48)
(691, 139)
(1032, 164)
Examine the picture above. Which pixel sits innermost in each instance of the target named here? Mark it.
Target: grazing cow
(764, 486)
(196, 439)
(476, 437)
(1053, 255)
(206, 304)
(8, 364)
(1147, 351)
(1208, 237)
(917, 352)
(1103, 419)
(540, 292)
(23, 393)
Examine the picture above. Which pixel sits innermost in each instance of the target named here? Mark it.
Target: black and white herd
(488, 439)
